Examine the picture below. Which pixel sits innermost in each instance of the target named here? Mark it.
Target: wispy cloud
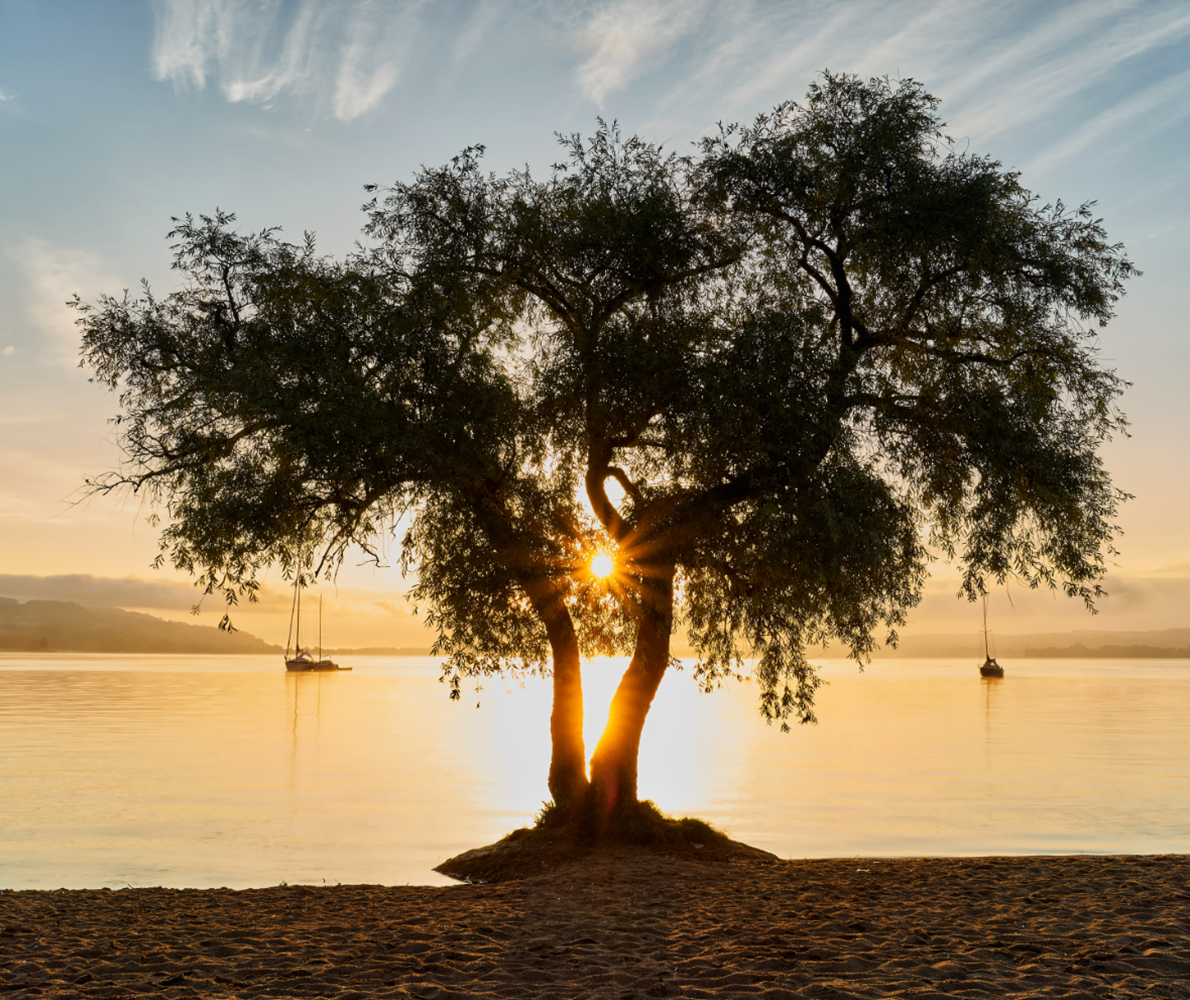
(751, 55)
(370, 59)
(485, 18)
(1052, 62)
(1139, 601)
(626, 38)
(83, 588)
(53, 273)
(998, 66)
(1157, 107)
(339, 55)
(785, 68)
(5, 96)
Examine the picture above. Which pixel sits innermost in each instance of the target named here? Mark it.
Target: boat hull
(312, 666)
(991, 669)
(303, 661)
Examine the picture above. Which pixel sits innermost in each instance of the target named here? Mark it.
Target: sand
(631, 925)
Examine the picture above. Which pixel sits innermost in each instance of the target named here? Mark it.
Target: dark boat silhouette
(990, 667)
(303, 659)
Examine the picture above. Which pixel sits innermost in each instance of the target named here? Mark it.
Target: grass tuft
(640, 824)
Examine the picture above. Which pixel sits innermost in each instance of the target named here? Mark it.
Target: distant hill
(62, 627)
(1134, 652)
(381, 651)
(1171, 643)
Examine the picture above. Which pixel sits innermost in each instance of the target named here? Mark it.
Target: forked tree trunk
(613, 765)
(568, 760)
(568, 756)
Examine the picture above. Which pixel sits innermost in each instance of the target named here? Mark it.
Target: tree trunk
(568, 759)
(613, 765)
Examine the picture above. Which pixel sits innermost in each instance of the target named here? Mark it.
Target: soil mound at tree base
(550, 847)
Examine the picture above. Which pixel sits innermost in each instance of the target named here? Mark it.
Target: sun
(602, 565)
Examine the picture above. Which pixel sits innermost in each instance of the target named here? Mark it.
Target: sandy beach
(633, 925)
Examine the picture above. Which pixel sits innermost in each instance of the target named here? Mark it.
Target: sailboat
(990, 667)
(304, 659)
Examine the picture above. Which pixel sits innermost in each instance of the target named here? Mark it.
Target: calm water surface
(191, 771)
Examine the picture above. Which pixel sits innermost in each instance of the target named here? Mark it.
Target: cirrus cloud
(628, 37)
(53, 273)
(342, 57)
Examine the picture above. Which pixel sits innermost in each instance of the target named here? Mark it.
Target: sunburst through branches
(602, 565)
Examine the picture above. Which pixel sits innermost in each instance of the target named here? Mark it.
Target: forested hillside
(59, 626)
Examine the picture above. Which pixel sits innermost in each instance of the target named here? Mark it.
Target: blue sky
(115, 117)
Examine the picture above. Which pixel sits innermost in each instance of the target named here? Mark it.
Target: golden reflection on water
(180, 771)
(673, 745)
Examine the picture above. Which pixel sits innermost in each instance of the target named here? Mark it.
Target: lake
(191, 771)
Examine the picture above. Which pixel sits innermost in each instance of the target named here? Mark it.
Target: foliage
(808, 355)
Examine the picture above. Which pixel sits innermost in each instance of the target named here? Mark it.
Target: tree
(808, 356)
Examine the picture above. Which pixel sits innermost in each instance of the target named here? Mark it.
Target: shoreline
(632, 924)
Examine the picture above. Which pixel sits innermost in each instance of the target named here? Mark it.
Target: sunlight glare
(602, 565)
(673, 761)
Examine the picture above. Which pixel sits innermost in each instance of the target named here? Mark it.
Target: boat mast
(320, 627)
(297, 596)
(292, 609)
(986, 652)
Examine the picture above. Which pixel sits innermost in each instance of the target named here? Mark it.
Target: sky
(116, 117)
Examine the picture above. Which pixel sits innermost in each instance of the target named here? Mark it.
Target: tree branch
(621, 477)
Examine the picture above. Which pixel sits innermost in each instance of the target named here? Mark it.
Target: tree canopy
(770, 379)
